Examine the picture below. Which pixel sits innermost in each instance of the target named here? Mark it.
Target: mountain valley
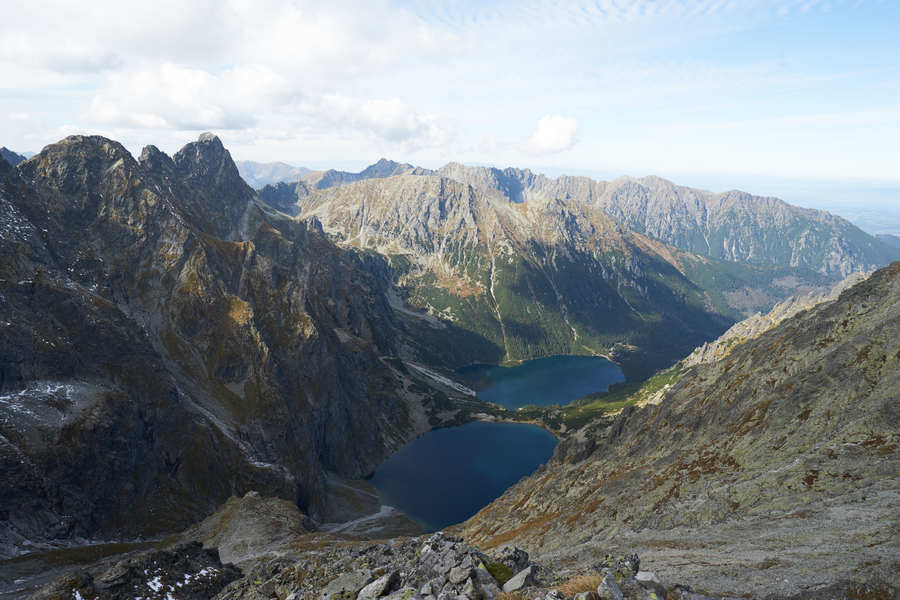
(185, 360)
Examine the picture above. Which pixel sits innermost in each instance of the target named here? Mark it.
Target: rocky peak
(89, 170)
(156, 161)
(384, 165)
(217, 195)
(207, 158)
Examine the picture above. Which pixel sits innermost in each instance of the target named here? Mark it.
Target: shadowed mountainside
(168, 341)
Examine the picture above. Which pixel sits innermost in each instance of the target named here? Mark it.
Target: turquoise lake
(554, 380)
(447, 475)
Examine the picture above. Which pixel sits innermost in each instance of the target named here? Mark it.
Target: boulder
(347, 585)
(520, 580)
(459, 574)
(379, 587)
(514, 558)
(609, 590)
(650, 582)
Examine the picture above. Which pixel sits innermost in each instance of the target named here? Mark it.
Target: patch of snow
(442, 380)
(383, 512)
(155, 584)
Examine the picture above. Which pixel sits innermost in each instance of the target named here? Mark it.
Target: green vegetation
(500, 572)
(599, 407)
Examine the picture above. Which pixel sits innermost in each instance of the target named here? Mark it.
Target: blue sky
(712, 90)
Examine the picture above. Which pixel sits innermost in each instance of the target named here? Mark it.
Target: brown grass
(509, 596)
(582, 583)
(528, 527)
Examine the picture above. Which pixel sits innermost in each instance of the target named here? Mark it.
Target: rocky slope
(167, 341)
(287, 563)
(733, 226)
(771, 469)
(756, 325)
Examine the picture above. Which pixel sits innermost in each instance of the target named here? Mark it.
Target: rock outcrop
(187, 572)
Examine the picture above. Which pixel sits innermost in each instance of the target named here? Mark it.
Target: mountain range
(732, 226)
(535, 265)
(172, 338)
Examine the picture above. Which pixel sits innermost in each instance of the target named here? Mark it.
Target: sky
(708, 90)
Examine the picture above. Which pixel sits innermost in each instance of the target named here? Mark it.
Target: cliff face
(167, 342)
(771, 468)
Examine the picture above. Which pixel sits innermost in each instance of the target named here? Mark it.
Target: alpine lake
(448, 474)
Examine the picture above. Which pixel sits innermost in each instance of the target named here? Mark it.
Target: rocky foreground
(434, 567)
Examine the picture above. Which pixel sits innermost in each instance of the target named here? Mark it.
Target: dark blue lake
(554, 380)
(447, 475)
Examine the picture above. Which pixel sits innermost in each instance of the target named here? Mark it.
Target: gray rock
(609, 590)
(514, 558)
(649, 581)
(351, 582)
(460, 574)
(484, 577)
(406, 593)
(520, 580)
(472, 590)
(379, 587)
(586, 596)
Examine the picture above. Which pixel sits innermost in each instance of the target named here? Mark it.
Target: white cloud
(554, 133)
(169, 96)
(389, 119)
(428, 82)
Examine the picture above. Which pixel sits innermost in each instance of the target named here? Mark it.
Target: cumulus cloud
(259, 66)
(388, 119)
(554, 133)
(169, 96)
